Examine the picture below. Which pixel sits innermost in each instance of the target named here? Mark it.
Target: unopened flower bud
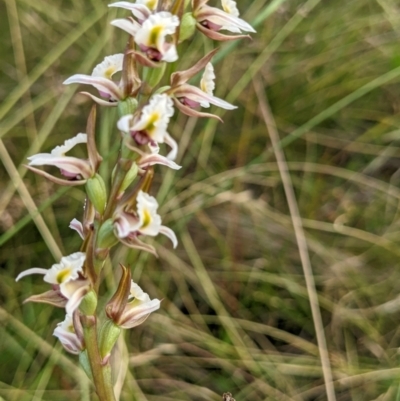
(153, 76)
(129, 177)
(127, 106)
(109, 334)
(106, 237)
(88, 304)
(96, 190)
(188, 27)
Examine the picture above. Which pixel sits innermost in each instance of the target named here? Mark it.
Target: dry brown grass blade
(300, 237)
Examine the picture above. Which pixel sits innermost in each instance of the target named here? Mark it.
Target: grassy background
(236, 314)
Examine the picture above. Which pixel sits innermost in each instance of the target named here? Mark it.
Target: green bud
(188, 27)
(106, 237)
(84, 361)
(127, 106)
(88, 304)
(96, 190)
(162, 89)
(129, 177)
(153, 75)
(109, 334)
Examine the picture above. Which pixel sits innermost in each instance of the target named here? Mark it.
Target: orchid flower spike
(65, 332)
(73, 168)
(101, 79)
(70, 286)
(150, 127)
(210, 20)
(152, 36)
(144, 221)
(188, 97)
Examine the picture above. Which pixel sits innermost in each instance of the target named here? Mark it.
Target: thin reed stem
(300, 239)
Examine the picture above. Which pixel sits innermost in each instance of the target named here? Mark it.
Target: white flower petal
(173, 145)
(137, 314)
(126, 25)
(71, 165)
(28, 272)
(207, 83)
(140, 10)
(228, 21)
(170, 234)
(109, 66)
(76, 298)
(151, 159)
(124, 123)
(77, 226)
(150, 221)
(137, 293)
(69, 144)
(66, 334)
(103, 85)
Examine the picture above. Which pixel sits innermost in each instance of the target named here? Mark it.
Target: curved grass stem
(300, 239)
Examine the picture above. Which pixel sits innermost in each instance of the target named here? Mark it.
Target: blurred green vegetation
(236, 315)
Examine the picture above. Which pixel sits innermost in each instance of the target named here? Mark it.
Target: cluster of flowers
(128, 211)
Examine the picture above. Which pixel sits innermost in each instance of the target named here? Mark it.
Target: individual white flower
(210, 20)
(101, 79)
(70, 167)
(145, 221)
(66, 276)
(150, 127)
(151, 37)
(65, 332)
(188, 97)
(138, 309)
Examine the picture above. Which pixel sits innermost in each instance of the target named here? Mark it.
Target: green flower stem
(122, 167)
(102, 378)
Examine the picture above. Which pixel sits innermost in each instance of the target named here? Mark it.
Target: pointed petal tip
(28, 272)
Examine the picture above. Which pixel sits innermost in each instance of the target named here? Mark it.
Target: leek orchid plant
(151, 86)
